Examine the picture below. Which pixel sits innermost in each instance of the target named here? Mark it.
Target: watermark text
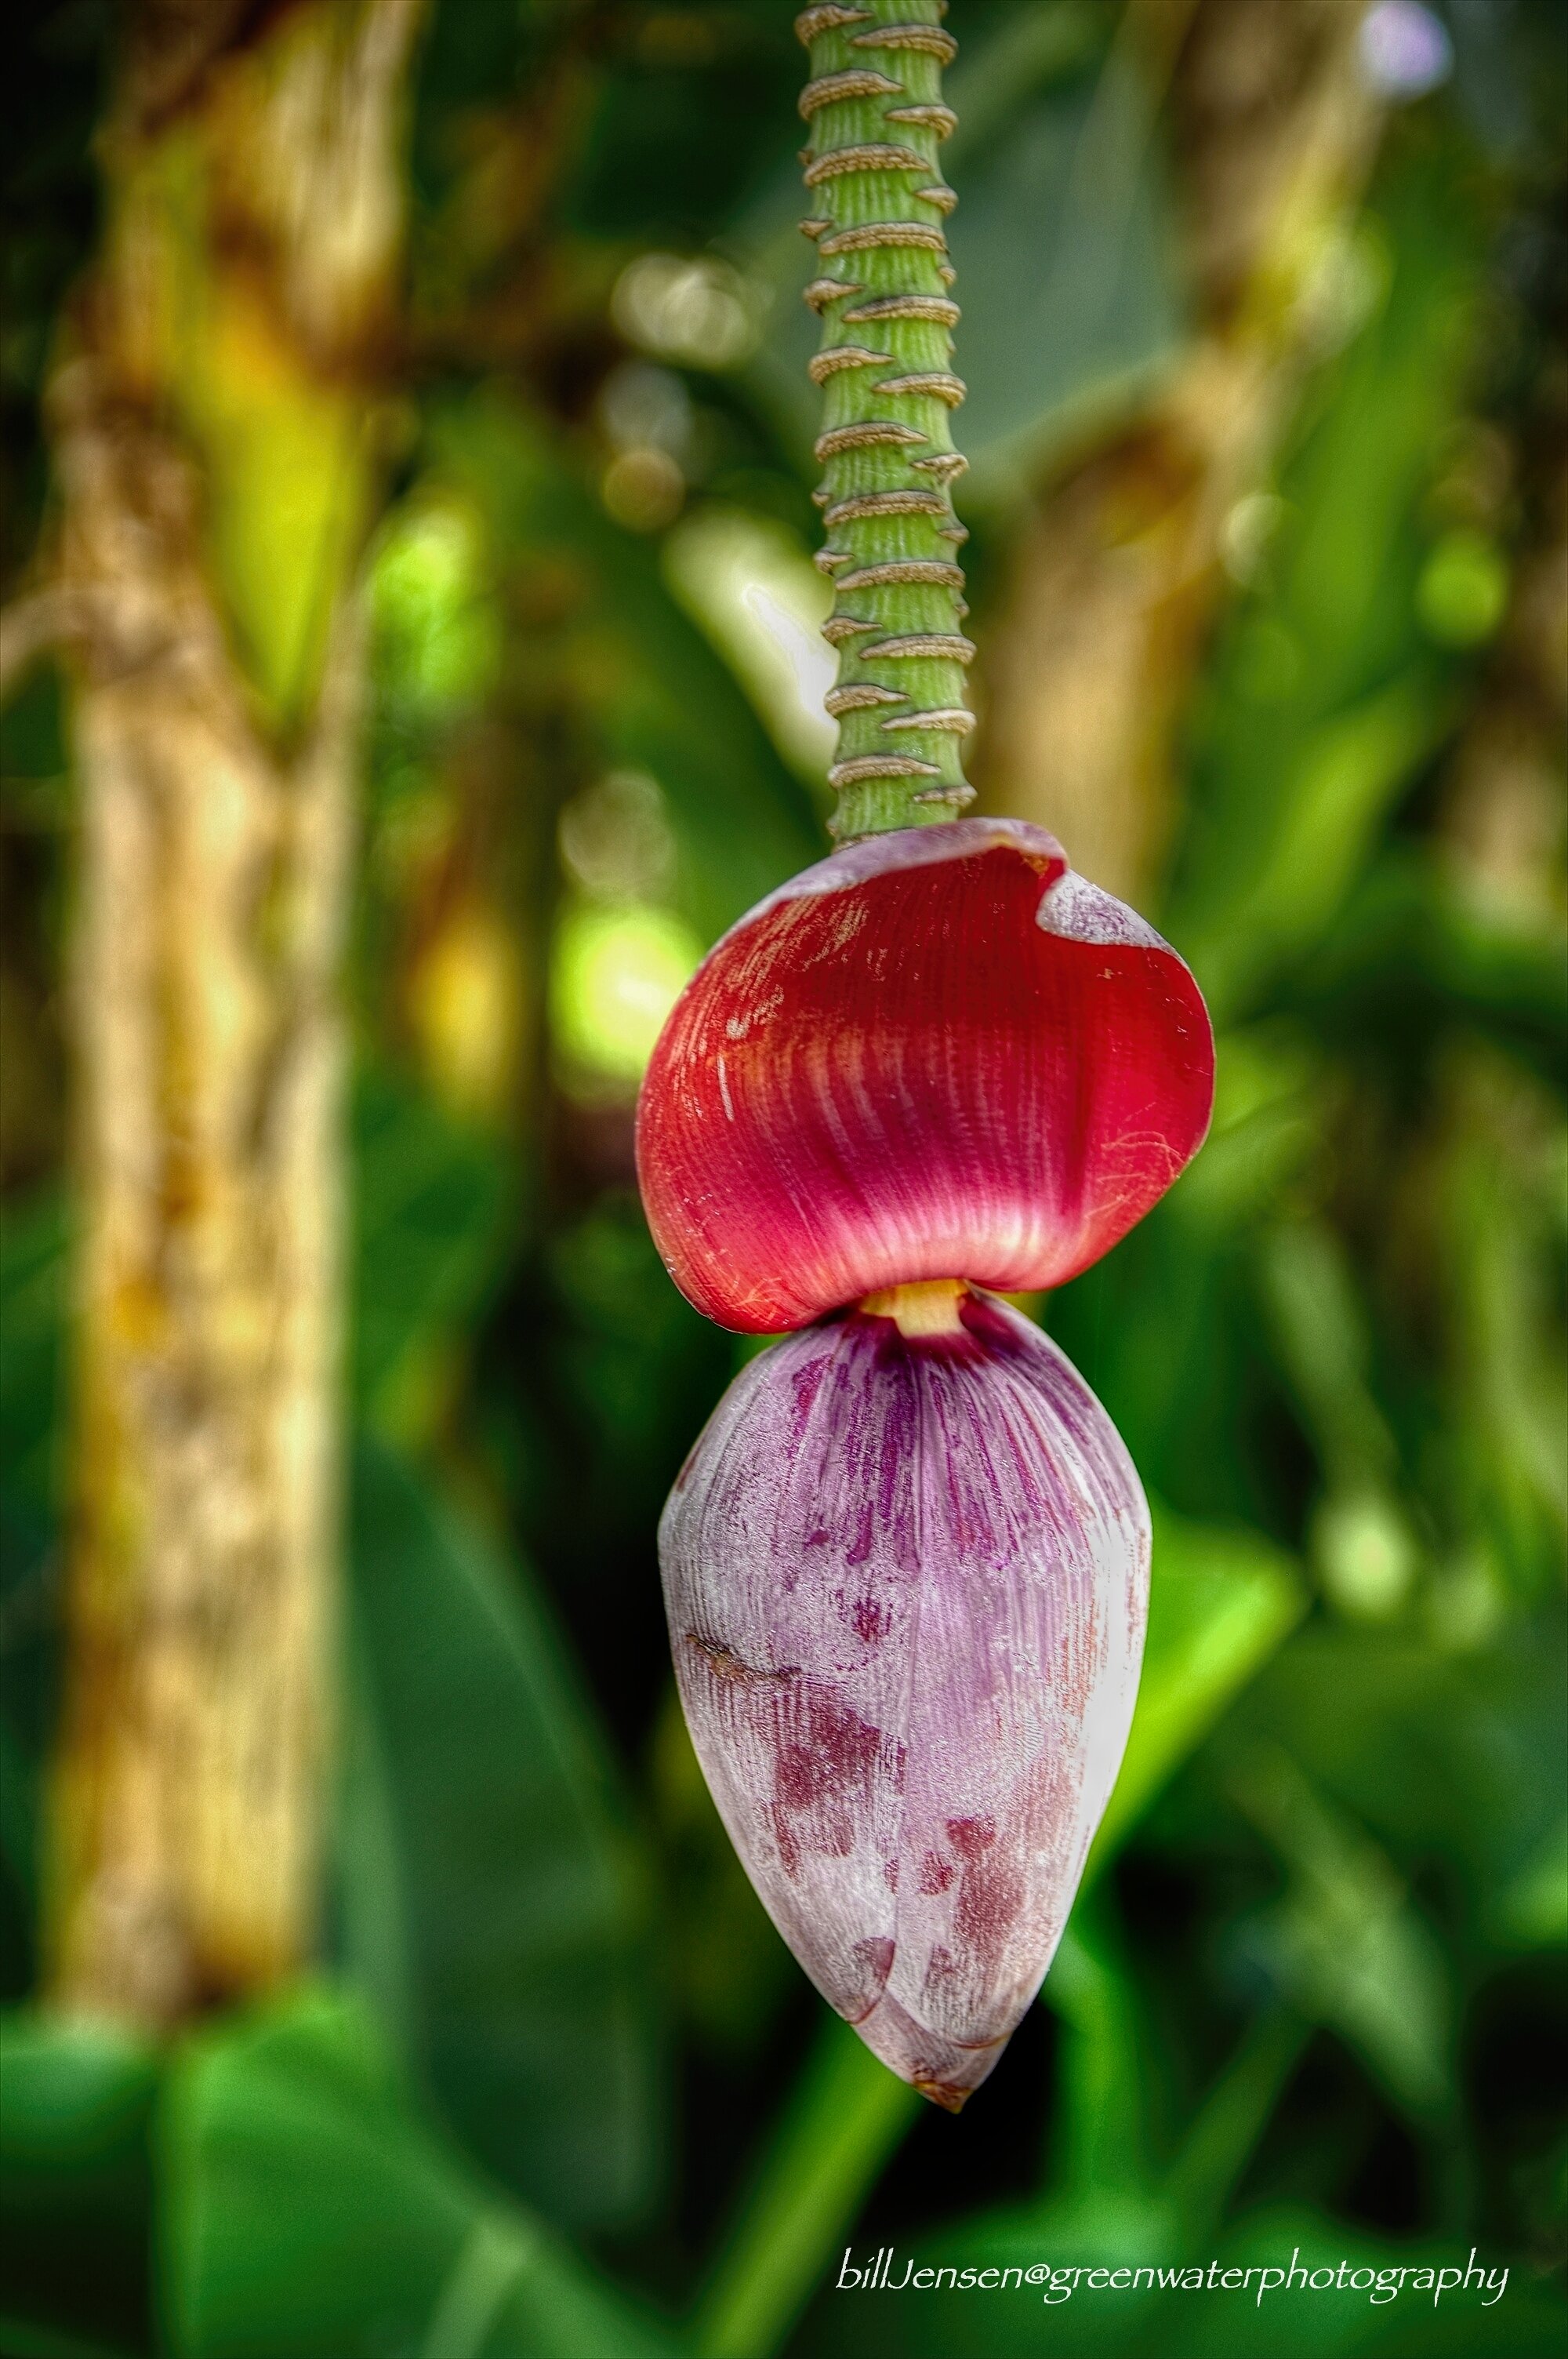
(889, 2271)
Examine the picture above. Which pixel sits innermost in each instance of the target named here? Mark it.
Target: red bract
(938, 1053)
(906, 1571)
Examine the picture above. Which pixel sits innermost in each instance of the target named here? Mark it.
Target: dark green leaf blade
(431, 1202)
(75, 2106)
(310, 2215)
(491, 1897)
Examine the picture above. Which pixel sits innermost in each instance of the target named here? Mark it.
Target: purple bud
(906, 1568)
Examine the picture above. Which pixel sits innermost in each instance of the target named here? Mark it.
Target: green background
(557, 2088)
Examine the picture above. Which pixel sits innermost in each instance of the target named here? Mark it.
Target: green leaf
(1221, 2138)
(75, 2106)
(1323, 1334)
(1220, 1604)
(1268, 1121)
(20, 2340)
(1109, 2194)
(1332, 800)
(310, 2215)
(1325, 698)
(1106, 2126)
(432, 1201)
(1458, 1756)
(492, 1899)
(1345, 1944)
(1101, 2126)
(1412, 952)
(1533, 1911)
(1065, 262)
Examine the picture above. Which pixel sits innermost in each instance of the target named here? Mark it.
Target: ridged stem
(878, 203)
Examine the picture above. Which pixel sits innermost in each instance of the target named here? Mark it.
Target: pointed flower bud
(906, 1573)
(938, 1053)
(906, 1566)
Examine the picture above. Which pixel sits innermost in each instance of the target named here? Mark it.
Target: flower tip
(943, 2093)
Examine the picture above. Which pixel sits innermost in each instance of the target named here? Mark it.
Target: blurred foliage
(1314, 1993)
(492, 1899)
(388, 2241)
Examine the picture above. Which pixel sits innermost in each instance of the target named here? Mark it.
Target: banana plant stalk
(215, 418)
(907, 1565)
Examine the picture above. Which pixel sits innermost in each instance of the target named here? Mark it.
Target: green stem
(874, 105)
(847, 2115)
(1233, 2118)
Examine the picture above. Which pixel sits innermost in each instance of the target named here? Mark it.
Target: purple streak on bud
(906, 1577)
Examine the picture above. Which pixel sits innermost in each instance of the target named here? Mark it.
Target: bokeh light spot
(692, 308)
(615, 974)
(1463, 592)
(1405, 50)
